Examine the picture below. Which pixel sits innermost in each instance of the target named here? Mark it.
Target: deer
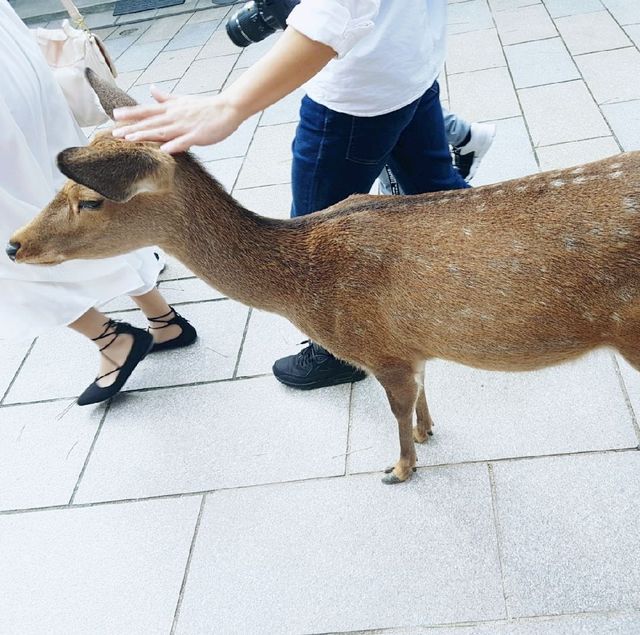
(512, 276)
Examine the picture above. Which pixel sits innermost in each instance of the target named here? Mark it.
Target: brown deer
(513, 276)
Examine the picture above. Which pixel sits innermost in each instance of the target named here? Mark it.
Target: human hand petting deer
(179, 122)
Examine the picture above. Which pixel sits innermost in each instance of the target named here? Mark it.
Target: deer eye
(90, 204)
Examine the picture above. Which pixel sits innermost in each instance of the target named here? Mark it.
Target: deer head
(103, 210)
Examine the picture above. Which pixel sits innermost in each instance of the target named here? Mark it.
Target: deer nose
(12, 250)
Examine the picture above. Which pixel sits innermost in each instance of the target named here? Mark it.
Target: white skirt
(35, 125)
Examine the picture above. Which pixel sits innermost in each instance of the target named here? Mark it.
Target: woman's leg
(94, 325)
(153, 305)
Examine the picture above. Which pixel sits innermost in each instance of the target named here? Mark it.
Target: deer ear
(118, 171)
(109, 95)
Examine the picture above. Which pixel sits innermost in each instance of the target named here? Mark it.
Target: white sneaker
(467, 158)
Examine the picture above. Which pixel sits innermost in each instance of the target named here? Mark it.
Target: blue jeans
(336, 155)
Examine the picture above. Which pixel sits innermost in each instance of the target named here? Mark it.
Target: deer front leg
(402, 391)
(424, 423)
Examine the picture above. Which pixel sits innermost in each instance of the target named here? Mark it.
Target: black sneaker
(315, 367)
(467, 158)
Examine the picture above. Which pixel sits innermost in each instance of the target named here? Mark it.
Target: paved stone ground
(210, 499)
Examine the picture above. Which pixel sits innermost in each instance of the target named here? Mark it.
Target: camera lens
(248, 25)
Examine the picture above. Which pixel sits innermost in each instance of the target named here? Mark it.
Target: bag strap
(75, 15)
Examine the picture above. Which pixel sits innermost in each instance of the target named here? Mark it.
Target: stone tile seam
(176, 614)
(515, 90)
(606, 50)
(355, 475)
(15, 375)
(145, 389)
(89, 453)
(589, 91)
(515, 621)
(627, 398)
(595, 101)
(347, 456)
(242, 341)
(498, 534)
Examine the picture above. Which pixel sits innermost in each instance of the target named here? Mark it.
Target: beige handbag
(68, 51)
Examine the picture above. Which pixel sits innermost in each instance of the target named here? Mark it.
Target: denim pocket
(370, 140)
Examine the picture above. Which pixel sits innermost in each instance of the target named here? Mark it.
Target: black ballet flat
(187, 337)
(142, 344)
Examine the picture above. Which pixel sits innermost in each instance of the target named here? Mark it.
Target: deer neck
(247, 257)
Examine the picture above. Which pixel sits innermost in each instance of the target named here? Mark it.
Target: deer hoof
(392, 479)
(419, 437)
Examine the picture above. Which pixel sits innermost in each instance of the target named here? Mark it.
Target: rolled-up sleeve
(339, 24)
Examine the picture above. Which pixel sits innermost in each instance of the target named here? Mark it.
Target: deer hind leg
(401, 387)
(424, 423)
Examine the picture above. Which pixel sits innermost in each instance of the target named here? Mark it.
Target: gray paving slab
(210, 13)
(590, 32)
(270, 200)
(474, 51)
(561, 8)
(512, 141)
(174, 269)
(557, 113)
(126, 80)
(362, 556)
(42, 450)
(206, 75)
(220, 327)
(469, 16)
(524, 24)
(139, 55)
(163, 28)
(100, 570)
(118, 45)
(63, 363)
(607, 74)
(268, 338)
(230, 434)
(141, 92)
(169, 65)
(482, 415)
(483, 95)
(624, 119)
(225, 171)
(284, 111)
(253, 53)
(192, 34)
(509, 5)
(623, 11)
(565, 155)
(268, 161)
(180, 291)
(540, 62)
(570, 533)
(12, 354)
(219, 44)
(633, 31)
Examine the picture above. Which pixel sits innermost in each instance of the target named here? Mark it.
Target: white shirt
(389, 51)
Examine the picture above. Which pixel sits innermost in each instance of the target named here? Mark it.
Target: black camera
(258, 19)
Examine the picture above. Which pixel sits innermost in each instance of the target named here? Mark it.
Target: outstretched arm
(182, 121)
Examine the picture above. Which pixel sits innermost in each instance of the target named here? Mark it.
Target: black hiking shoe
(315, 367)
